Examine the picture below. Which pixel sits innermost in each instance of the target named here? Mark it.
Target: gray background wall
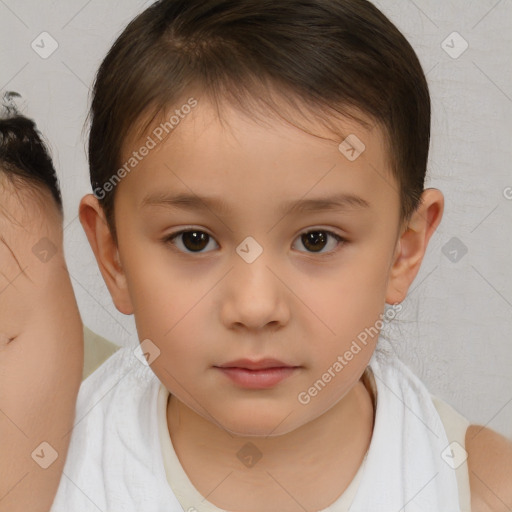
(455, 330)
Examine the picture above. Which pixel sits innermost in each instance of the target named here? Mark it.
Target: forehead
(236, 158)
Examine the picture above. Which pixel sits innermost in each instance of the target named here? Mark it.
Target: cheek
(39, 382)
(163, 289)
(347, 297)
(349, 304)
(38, 389)
(41, 369)
(170, 310)
(162, 299)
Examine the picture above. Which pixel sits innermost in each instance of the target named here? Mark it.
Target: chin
(258, 425)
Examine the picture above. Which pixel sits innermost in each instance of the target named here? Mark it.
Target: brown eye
(315, 241)
(190, 241)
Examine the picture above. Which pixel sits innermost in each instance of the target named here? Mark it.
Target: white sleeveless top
(121, 456)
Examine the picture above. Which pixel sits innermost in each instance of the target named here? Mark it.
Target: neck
(328, 450)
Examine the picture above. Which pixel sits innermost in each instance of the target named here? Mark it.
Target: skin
(299, 306)
(41, 352)
(490, 469)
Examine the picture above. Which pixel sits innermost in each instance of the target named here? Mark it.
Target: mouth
(262, 374)
(261, 364)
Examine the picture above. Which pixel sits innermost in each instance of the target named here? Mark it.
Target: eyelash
(341, 241)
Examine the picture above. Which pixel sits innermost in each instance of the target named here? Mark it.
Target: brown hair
(334, 56)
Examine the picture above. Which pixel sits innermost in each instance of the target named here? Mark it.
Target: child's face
(226, 301)
(41, 348)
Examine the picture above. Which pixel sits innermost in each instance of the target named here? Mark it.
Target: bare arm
(490, 470)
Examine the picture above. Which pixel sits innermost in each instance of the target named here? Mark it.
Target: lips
(262, 364)
(262, 374)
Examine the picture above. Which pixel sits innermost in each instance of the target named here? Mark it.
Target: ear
(412, 244)
(100, 239)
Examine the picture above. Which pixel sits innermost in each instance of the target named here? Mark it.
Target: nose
(254, 297)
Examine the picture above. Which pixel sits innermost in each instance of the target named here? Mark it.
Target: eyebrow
(185, 201)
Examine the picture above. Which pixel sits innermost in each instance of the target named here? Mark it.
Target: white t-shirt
(119, 450)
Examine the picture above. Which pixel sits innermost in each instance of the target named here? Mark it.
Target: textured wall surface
(455, 330)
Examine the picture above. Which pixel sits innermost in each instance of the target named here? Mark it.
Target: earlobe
(412, 245)
(106, 252)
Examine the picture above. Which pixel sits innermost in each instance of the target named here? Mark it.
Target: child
(258, 171)
(41, 337)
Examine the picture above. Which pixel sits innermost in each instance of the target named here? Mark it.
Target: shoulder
(490, 469)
